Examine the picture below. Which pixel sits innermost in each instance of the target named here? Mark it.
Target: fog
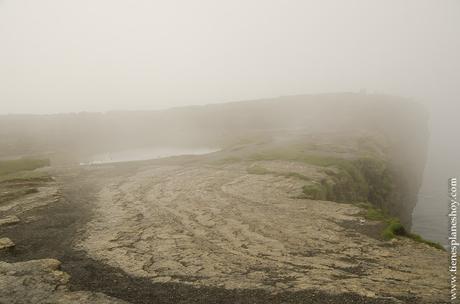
(73, 56)
(239, 151)
(66, 56)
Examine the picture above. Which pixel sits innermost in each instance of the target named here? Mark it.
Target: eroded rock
(9, 220)
(6, 243)
(223, 227)
(41, 281)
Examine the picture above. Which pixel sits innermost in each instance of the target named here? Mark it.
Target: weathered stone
(6, 243)
(9, 220)
(41, 281)
(218, 226)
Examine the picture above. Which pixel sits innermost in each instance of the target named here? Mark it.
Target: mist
(163, 108)
(66, 56)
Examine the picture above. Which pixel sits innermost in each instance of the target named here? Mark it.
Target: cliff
(396, 125)
(308, 200)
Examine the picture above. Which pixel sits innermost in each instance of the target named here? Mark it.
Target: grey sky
(97, 55)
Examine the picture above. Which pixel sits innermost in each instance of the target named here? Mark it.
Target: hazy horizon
(59, 57)
(264, 98)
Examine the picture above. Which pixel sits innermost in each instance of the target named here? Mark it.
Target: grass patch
(12, 195)
(298, 155)
(363, 179)
(314, 191)
(295, 175)
(393, 227)
(352, 180)
(372, 213)
(25, 175)
(419, 239)
(17, 178)
(366, 179)
(23, 164)
(256, 169)
(227, 160)
(375, 214)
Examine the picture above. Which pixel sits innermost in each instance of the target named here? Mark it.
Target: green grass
(18, 178)
(227, 160)
(24, 175)
(372, 213)
(295, 175)
(393, 227)
(315, 191)
(20, 170)
(23, 164)
(375, 214)
(17, 193)
(349, 180)
(419, 239)
(256, 169)
(365, 179)
(297, 154)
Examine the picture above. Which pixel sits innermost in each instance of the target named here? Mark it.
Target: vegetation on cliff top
(22, 164)
(365, 179)
(393, 226)
(18, 178)
(353, 180)
(255, 169)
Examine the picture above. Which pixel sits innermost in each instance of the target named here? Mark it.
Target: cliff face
(408, 154)
(290, 210)
(398, 126)
(282, 215)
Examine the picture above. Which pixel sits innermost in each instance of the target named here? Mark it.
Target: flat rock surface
(9, 220)
(45, 195)
(220, 226)
(41, 281)
(6, 243)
